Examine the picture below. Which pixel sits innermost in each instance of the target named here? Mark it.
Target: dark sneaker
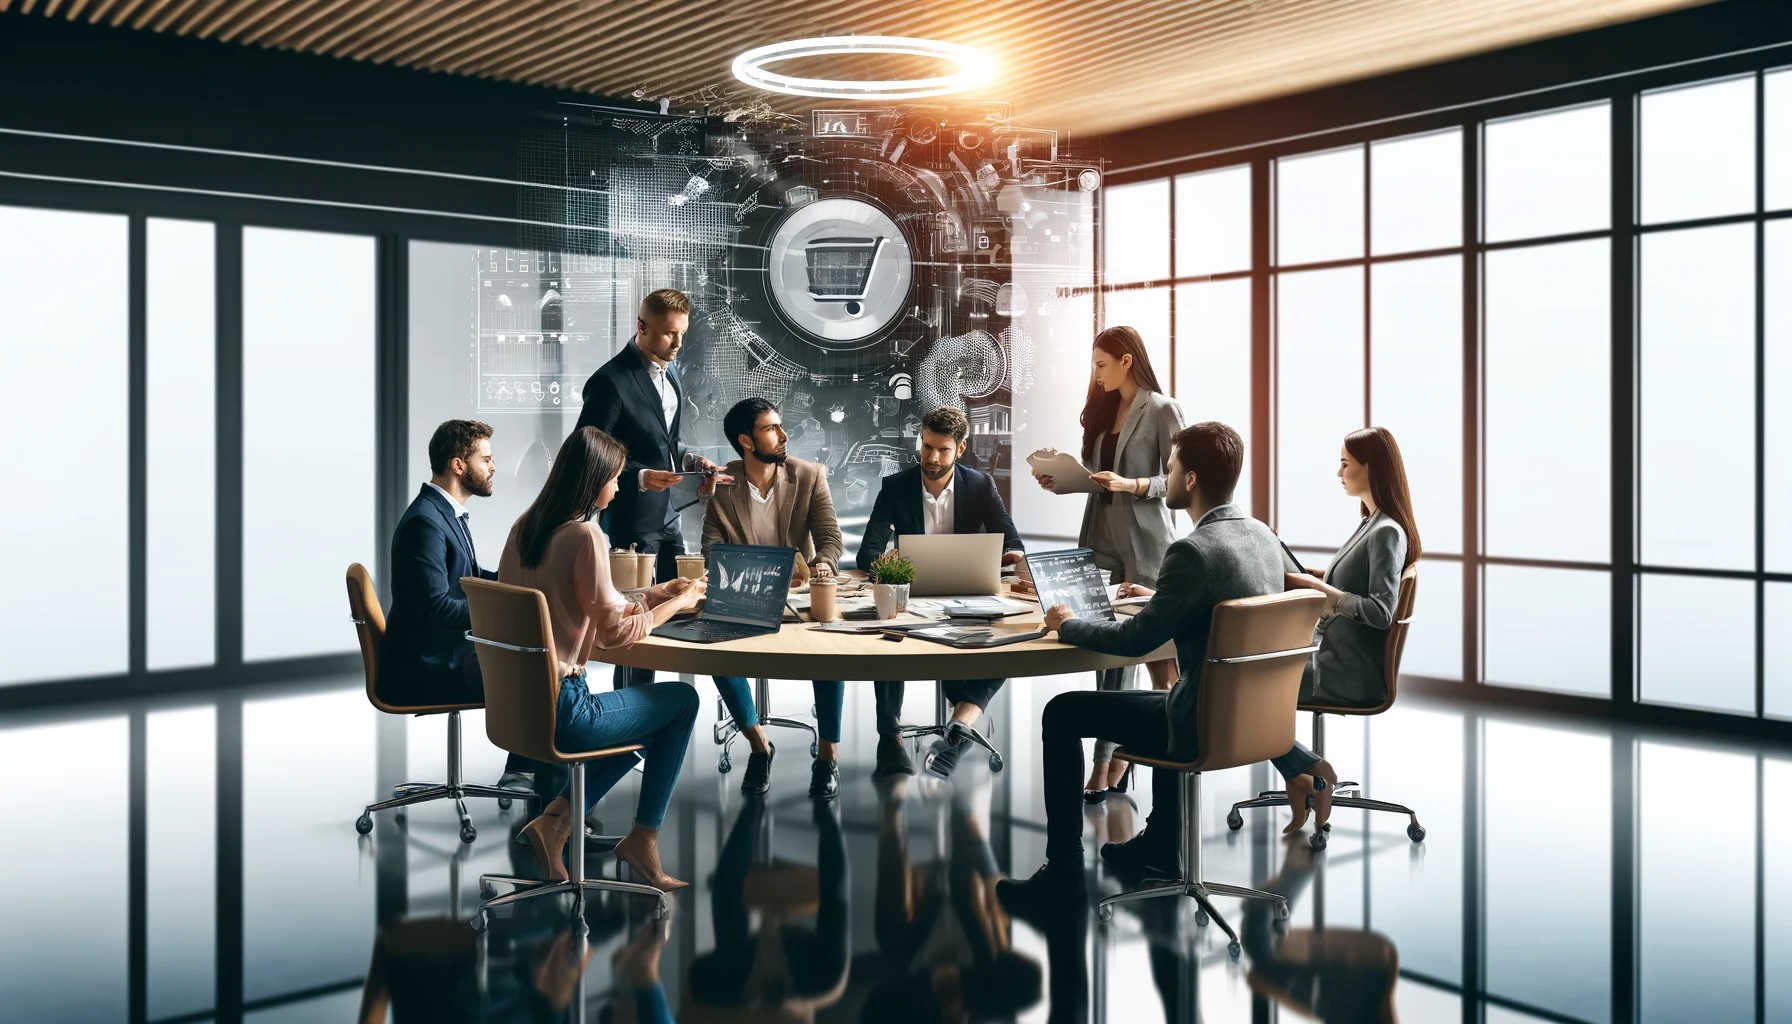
(942, 756)
(523, 782)
(824, 779)
(758, 777)
(1143, 857)
(892, 757)
(1056, 885)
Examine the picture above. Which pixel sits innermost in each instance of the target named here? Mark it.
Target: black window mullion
(1471, 404)
(1625, 357)
(1263, 375)
(229, 427)
(137, 412)
(391, 413)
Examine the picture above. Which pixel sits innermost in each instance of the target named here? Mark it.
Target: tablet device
(1289, 562)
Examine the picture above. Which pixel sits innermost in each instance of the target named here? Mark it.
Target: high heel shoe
(642, 855)
(1125, 781)
(547, 837)
(1095, 796)
(1312, 792)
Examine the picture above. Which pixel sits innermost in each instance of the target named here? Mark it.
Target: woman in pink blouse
(556, 547)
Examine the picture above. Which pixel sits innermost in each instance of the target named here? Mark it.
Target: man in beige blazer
(780, 502)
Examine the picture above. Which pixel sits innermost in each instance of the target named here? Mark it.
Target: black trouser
(889, 697)
(1134, 719)
(667, 546)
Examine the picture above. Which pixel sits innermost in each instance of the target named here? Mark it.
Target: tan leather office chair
(1350, 794)
(1244, 713)
(515, 644)
(370, 627)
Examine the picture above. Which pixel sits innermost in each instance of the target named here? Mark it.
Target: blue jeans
(830, 702)
(659, 716)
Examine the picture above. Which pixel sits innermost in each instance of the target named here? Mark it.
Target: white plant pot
(891, 599)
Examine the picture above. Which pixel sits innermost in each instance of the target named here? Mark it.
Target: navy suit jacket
(426, 657)
(620, 401)
(976, 508)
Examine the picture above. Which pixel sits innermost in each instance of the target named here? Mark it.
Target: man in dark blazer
(1228, 555)
(937, 496)
(426, 657)
(638, 399)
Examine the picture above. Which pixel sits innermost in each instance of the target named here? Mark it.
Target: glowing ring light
(974, 68)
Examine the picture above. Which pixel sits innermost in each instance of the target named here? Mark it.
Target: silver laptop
(958, 564)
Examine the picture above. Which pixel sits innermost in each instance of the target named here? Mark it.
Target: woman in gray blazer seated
(1362, 587)
(1128, 428)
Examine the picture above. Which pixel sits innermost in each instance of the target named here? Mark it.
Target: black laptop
(748, 585)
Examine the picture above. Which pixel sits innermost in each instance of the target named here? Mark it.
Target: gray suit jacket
(1143, 449)
(1228, 555)
(801, 501)
(1350, 665)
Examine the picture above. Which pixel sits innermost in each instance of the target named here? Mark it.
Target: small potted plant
(890, 576)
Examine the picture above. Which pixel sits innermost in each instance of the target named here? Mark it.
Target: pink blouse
(586, 609)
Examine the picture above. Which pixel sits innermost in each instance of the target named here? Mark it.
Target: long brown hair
(1102, 408)
(588, 459)
(1376, 448)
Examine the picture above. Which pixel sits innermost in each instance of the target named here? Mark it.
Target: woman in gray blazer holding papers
(1362, 586)
(1129, 426)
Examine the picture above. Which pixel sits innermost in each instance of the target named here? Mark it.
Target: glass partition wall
(1565, 309)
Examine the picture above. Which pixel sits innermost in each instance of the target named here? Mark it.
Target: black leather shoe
(758, 777)
(1143, 857)
(1056, 887)
(892, 757)
(942, 756)
(824, 779)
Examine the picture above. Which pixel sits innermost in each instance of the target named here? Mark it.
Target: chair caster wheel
(487, 891)
(1415, 832)
(400, 817)
(659, 909)
(1281, 911)
(468, 833)
(1234, 951)
(814, 750)
(1106, 912)
(1201, 918)
(364, 824)
(724, 766)
(478, 922)
(1235, 820)
(995, 762)
(1318, 842)
(1280, 925)
(1327, 827)
(503, 803)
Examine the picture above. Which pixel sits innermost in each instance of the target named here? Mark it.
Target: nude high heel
(640, 850)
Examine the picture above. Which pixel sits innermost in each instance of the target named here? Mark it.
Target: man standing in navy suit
(638, 399)
(426, 658)
(937, 496)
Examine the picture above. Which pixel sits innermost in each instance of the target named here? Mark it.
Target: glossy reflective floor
(196, 861)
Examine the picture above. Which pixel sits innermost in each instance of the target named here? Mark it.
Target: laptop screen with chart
(748, 585)
(1070, 577)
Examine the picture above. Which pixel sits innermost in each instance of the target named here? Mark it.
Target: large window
(308, 477)
(1520, 298)
(64, 290)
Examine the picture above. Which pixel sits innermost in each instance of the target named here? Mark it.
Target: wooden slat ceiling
(1082, 66)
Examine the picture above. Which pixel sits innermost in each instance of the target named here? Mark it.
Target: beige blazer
(800, 499)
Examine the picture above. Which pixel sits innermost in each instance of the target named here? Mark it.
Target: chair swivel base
(725, 729)
(534, 888)
(420, 793)
(1349, 795)
(915, 732)
(1202, 893)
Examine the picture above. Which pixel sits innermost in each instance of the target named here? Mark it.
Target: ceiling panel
(1082, 66)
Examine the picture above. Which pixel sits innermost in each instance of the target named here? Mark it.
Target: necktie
(467, 529)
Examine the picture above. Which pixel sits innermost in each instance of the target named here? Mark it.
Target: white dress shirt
(762, 524)
(936, 513)
(662, 386)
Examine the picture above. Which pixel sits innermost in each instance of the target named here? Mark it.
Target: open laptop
(1071, 577)
(748, 585)
(959, 564)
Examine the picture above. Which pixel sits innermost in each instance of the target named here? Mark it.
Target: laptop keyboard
(712, 631)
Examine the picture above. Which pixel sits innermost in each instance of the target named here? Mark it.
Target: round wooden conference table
(798, 652)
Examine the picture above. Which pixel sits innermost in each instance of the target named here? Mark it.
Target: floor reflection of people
(785, 966)
(422, 970)
(1330, 974)
(641, 998)
(940, 926)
